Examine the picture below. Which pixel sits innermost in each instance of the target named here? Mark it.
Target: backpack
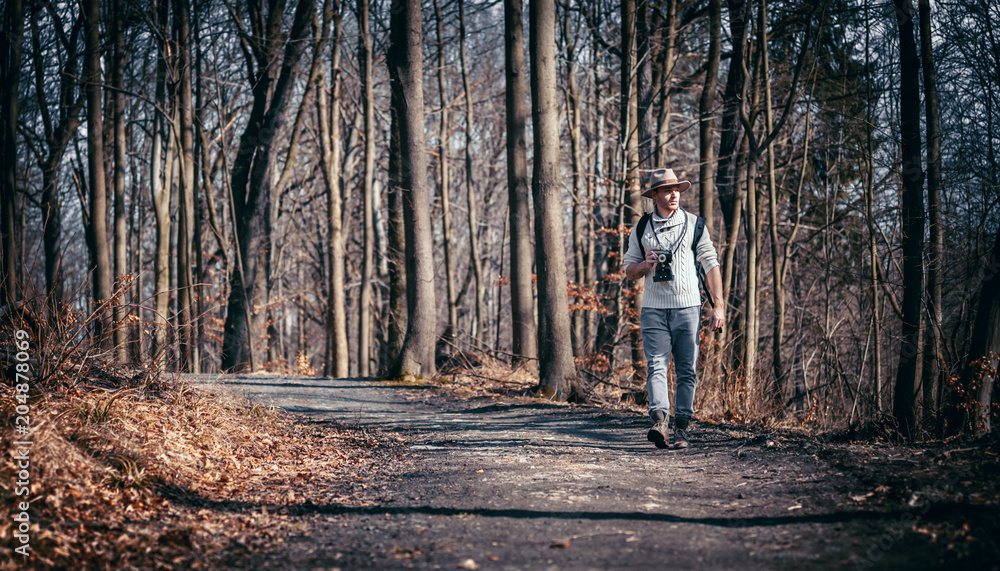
(699, 229)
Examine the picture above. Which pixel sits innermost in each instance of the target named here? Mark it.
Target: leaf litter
(172, 478)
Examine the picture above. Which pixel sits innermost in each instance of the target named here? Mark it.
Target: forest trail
(524, 484)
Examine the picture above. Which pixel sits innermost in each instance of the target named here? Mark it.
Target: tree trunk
(706, 130)
(160, 186)
(365, 61)
(479, 329)
(444, 179)
(95, 160)
(630, 146)
(778, 312)
(185, 216)
(338, 360)
(574, 109)
(397, 312)
(668, 34)
(405, 60)
(119, 61)
(904, 404)
(555, 350)
(10, 75)
(524, 341)
(876, 321)
(730, 140)
(932, 339)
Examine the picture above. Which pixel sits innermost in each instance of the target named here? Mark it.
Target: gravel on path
(526, 484)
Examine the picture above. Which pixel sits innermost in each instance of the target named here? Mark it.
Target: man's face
(667, 200)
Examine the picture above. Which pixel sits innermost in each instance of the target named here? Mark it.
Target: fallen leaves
(178, 479)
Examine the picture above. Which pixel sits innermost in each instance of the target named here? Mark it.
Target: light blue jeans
(666, 332)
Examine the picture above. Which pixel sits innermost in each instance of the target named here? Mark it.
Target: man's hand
(637, 270)
(717, 320)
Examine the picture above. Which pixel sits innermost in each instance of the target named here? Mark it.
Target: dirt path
(528, 485)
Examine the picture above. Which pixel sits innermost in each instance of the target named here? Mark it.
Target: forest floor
(491, 478)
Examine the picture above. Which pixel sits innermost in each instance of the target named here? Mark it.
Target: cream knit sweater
(683, 290)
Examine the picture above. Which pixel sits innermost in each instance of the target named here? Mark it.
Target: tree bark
(706, 125)
(189, 356)
(119, 61)
(778, 312)
(932, 340)
(444, 179)
(95, 160)
(160, 186)
(10, 75)
(397, 313)
(524, 341)
(629, 132)
(338, 361)
(904, 404)
(365, 62)
(555, 351)
(668, 35)
(405, 60)
(730, 140)
(479, 328)
(574, 110)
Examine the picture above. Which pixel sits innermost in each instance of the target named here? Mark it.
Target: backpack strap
(699, 229)
(640, 229)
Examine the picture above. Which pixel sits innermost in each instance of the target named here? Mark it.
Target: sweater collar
(677, 218)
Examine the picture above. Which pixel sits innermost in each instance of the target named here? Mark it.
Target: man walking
(664, 241)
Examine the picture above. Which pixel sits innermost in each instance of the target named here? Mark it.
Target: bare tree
(10, 75)
(757, 147)
(932, 369)
(574, 112)
(58, 131)
(524, 343)
(184, 131)
(251, 177)
(663, 53)
(904, 403)
(397, 314)
(405, 60)
(328, 112)
(444, 177)
(706, 124)
(629, 135)
(160, 187)
(365, 63)
(118, 64)
(557, 371)
(479, 325)
(101, 254)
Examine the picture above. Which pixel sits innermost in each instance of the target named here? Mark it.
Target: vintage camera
(663, 272)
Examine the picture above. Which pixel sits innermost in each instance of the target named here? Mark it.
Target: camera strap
(656, 235)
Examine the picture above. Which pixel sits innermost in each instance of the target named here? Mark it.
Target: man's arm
(718, 317)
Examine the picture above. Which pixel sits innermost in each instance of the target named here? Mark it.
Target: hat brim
(681, 186)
